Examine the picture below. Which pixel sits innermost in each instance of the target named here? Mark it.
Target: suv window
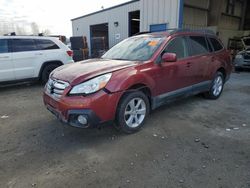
(209, 46)
(4, 46)
(44, 44)
(177, 46)
(22, 45)
(216, 44)
(198, 45)
(246, 41)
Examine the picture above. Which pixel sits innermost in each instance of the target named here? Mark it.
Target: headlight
(92, 85)
(239, 56)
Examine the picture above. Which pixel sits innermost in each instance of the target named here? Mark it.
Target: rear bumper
(97, 108)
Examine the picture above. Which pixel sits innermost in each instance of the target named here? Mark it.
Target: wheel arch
(223, 71)
(141, 87)
(58, 62)
(137, 87)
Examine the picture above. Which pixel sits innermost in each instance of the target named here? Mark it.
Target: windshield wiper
(119, 59)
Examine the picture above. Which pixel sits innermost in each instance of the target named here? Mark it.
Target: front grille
(247, 56)
(56, 87)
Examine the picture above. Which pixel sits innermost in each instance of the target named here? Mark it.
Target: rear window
(209, 46)
(198, 45)
(44, 44)
(22, 45)
(216, 44)
(4, 46)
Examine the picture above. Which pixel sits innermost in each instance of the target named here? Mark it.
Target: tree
(20, 27)
(20, 30)
(46, 32)
(34, 28)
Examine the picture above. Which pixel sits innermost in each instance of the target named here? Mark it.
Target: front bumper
(97, 108)
(92, 119)
(241, 63)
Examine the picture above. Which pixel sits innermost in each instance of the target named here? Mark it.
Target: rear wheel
(46, 72)
(217, 87)
(132, 111)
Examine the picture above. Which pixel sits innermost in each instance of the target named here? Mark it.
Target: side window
(177, 46)
(23, 45)
(216, 44)
(44, 44)
(4, 46)
(209, 45)
(198, 45)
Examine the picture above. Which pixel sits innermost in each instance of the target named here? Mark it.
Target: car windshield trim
(139, 48)
(246, 42)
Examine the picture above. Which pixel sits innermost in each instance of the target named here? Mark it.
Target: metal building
(105, 28)
(227, 18)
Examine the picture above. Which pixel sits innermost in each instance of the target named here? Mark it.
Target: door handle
(4, 57)
(40, 53)
(188, 64)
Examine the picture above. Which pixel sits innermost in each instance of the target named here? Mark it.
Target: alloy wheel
(135, 112)
(218, 86)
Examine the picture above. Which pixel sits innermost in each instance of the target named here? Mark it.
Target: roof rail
(205, 31)
(10, 34)
(141, 33)
(146, 32)
(177, 30)
(14, 34)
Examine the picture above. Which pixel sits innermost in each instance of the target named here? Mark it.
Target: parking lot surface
(190, 143)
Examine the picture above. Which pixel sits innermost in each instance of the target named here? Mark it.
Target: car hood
(243, 52)
(76, 73)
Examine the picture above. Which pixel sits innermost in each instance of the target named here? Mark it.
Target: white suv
(30, 57)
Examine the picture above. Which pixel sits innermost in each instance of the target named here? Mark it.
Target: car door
(217, 56)
(49, 51)
(6, 64)
(25, 58)
(175, 77)
(199, 59)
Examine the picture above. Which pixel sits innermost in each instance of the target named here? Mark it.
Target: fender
(138, 75)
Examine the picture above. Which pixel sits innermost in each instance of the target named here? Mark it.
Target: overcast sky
(54, 15)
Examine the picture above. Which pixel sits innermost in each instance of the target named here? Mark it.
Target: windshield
(247, 42)
(135, 49)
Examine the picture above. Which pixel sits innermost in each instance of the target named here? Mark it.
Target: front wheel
(132, 112)
(238, 69)
(217, 87)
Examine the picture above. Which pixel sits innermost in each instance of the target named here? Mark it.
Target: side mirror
(169, 57)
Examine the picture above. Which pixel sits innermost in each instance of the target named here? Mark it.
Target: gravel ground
(189, 143)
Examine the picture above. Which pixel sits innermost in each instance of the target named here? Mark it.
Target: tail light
(70, 53)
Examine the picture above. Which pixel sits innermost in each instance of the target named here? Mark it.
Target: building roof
(132, 1)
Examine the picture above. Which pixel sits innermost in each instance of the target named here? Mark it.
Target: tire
(129, 119)
(216, 87)
(238, 69)
(46, 72)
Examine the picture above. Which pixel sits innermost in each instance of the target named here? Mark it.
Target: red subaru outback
(136, 76)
